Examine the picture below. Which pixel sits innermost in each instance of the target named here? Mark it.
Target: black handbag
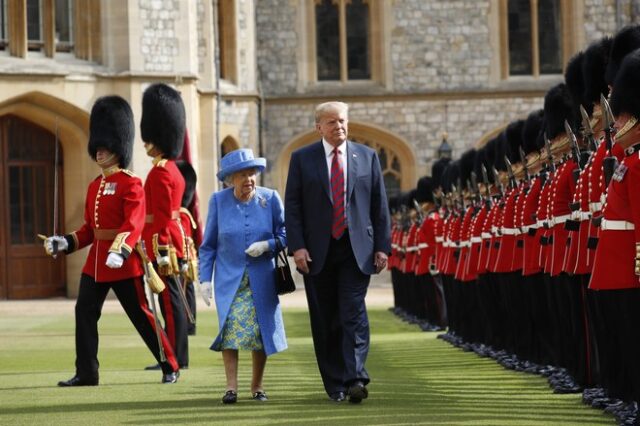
(284, 280)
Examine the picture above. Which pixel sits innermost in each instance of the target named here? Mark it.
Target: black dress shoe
(153, 367)
(260, 396)
(230, 397)
(170, 377)
(78, 381)
(357, 392)
(337, 396)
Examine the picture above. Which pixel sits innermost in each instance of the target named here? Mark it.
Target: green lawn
(417, 379)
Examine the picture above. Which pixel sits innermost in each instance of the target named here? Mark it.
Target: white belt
(526, 228)
(465, 244)
(559, 219)
(584, 216)
(439, 239)
(476, 239)
(447, 244)
(394, 246)
(412, 249)
(616, 225)
(485, 235)
(494, 229)
(595, 207)
(423, 246)
(510, 231)
(541, 223)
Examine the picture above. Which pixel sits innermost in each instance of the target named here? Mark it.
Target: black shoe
(153, 367)
(77, 381)
(337, 396)
(357, 392)
(170, 377)
(260, 396)
(230, 397)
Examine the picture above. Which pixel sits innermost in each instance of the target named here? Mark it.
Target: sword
(145, 263)
(183, 297)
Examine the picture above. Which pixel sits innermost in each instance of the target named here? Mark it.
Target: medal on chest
(618, 175)
(109, 188)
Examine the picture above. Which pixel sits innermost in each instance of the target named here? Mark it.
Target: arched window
(533, 41)
(390, 165)
(226, 32)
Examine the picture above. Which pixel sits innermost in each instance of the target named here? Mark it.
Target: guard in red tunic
(113, 220)
(617, 263)
(162, 127)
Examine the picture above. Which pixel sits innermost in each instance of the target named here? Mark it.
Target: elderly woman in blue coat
(238, 255)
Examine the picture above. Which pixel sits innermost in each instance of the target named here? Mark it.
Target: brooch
(263, 202)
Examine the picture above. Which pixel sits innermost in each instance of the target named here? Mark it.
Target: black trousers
(339, 322)
(88, 309)
(176, 323)
(191, 300)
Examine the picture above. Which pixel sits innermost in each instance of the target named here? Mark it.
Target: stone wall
(159, 43)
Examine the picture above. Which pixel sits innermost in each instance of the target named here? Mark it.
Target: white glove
(163, 261)
(114, 260)
(257, 248)
(48, 244)
(184, 267)
(206, 290)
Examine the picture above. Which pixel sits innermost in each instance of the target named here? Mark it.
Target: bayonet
(496, 181)
(575, 150)
(587, 130)
(523, 160)
(547, 146)
(610, 162)
(512, 178)
(485, 180)
(418, 211)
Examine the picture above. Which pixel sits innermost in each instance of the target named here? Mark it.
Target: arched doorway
(27, 169)
(397, 159)
(228, 144)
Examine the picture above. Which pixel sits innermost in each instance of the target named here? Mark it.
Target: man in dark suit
(338, 229)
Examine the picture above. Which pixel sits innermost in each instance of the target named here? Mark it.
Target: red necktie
(337, 192)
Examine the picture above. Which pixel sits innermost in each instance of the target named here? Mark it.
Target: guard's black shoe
(170, 377)
(153, 367)
(337, 396)
(230, 397)
(357, 392)
(78, 381)
(260, 396)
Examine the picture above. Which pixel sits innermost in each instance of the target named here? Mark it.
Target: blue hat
(239, 159)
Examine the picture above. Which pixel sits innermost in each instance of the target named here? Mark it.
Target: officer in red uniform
(190, 226)
(114, 217)
(162, 127)
(617, 262)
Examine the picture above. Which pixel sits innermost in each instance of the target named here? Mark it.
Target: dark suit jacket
(309, 210)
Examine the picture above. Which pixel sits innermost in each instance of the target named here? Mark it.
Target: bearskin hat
(437, 170)
(479, 161)
(594, 66)
(111, 127)
(467, 161)
(558, 107)
(500, 150)
(574, 79)
(530, 131)
(513, 135)
(624, 42)
(489, 157)
(394, 203)
(163, 119)
(450, 176)
(190, 180)
(625, 96)
(424, 190)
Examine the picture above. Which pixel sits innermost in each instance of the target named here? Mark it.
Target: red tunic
(394, 259)
(163, 190)
(451, 243)
(427, 243)
(508, 232)
(411, 250)
(577, 259)
(530, 229)
(465, 245)
(476, 242)
(614, 265)
(496, 238)
(485, 245)
(518, 261)
(562, 189)
(113, 220)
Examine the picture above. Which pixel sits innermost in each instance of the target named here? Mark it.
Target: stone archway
(228, 144)
(398, 161)
(71, 124)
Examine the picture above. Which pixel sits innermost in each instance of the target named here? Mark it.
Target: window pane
(327, 41)
(520, 37)
(549, 37)
(34, 24)
(391, 184)
(64, 24)
(358, 40)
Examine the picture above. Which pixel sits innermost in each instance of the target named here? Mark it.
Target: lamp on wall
(444, 150)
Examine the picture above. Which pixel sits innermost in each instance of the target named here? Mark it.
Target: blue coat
(232, 226)
(309, 208)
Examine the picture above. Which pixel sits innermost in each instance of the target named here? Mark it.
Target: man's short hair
(332, 106)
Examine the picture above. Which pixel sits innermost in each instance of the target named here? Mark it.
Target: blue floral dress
(241, 331)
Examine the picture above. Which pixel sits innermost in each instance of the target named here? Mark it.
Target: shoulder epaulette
(128, 172)
(161, 163)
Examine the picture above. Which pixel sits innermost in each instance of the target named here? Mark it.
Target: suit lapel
(352, 169)
(321, 167)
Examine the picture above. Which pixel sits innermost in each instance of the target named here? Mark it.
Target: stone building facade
(248, 73)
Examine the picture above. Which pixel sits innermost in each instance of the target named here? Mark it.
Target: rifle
(587, 130)
(512, 178)
(523, 160)
(547, 145)
(419, 212)
(496, 181)
(473, 186)
(152, 279)
(610, 162)
(575, 151)
(485, 180)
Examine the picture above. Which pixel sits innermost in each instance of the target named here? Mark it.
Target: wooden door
(27, 181)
